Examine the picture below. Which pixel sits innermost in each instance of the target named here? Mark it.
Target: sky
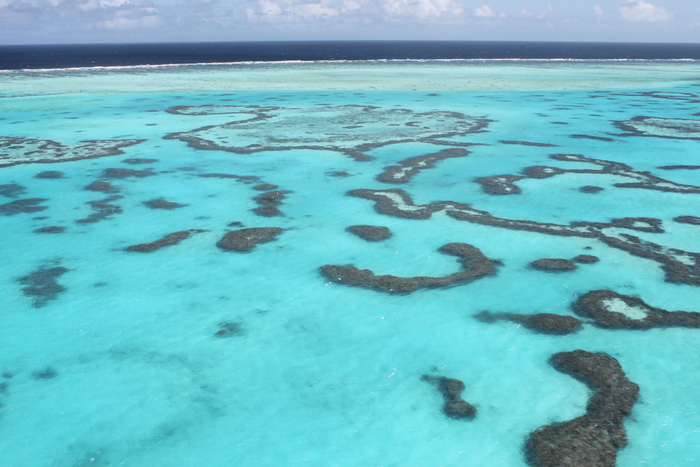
(114, 21)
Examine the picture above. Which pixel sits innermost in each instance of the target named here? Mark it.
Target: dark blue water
(84, 55)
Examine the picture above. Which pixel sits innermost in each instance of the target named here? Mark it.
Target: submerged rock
(22, 206)
(49, 175)
(53, 229)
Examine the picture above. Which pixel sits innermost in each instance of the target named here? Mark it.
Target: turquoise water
(124, 367)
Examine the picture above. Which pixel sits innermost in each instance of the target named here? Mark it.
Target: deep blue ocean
(357, 254)
(86, 55)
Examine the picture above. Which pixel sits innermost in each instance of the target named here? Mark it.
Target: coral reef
(49, 175)
(612, 310)
(553, 265)
(170, 239)
(451, 390)
(593, 439)
(371, 233)
(22, 206)
(160, 203)
(413, 165)
(542, 323)
(42, 285)
(245, 240)
(473, 262)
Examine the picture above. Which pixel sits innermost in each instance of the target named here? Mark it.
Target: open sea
(350, 254)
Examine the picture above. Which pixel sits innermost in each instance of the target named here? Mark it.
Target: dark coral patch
(594, 438)
(137, 161)
(528, 143)
(104, 187)
(680, 167)
(265, 187)
(102, 210)
(413, 165)
(687, 220)
(473, 262)
(597, 138)
(451, 390)
(22, 206)
(371, 233)
(238, 178)
(126, 173)
(591, 189)
(160, 203)
(586, 259)
(47, 373)
(232, 329)
(245, 240)
(49, 175)
(500, 184)
(53, 229)
(338, 173)
(268, 202)
(170, 239)
(611, 310)
(542, 323)
(42, 285)
(553, 265)
(12, 190)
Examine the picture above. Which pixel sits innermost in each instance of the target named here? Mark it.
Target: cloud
(598, 11)
(525, 13)
(641, 11)
(484, 11)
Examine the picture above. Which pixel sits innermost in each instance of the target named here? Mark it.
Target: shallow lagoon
(121, 358)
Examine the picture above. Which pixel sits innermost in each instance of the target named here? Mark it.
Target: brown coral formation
(413, 165)
(49, 175)
(451, 390)
(542, 323)
(678, 265)
(268, 202)
(500, 184)
(53, 229)
(593, 439)
(22, 206)
(126, 173)
(244, 240)
(693, 220)
(586, 259)
(474, 265)
(553, 265)
(612, 310)
(42, 285)
(169, 240)
(104, 187)
(12, 190)
(102, 210)
(370, 233)
(160, 203)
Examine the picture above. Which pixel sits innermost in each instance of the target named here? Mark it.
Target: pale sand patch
(617, 305)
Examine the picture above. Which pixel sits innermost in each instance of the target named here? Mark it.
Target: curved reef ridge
(505, 184)
(254, 129)
(678, 265)
(17, 150)
(593, 439)
(612, 310)
(474, 263)
(413, 165)
(542, 323)
(451, 390)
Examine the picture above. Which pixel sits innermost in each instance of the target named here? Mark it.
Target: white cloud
(422, 9)
(641, 11)
(598, 11)
(484, 11)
